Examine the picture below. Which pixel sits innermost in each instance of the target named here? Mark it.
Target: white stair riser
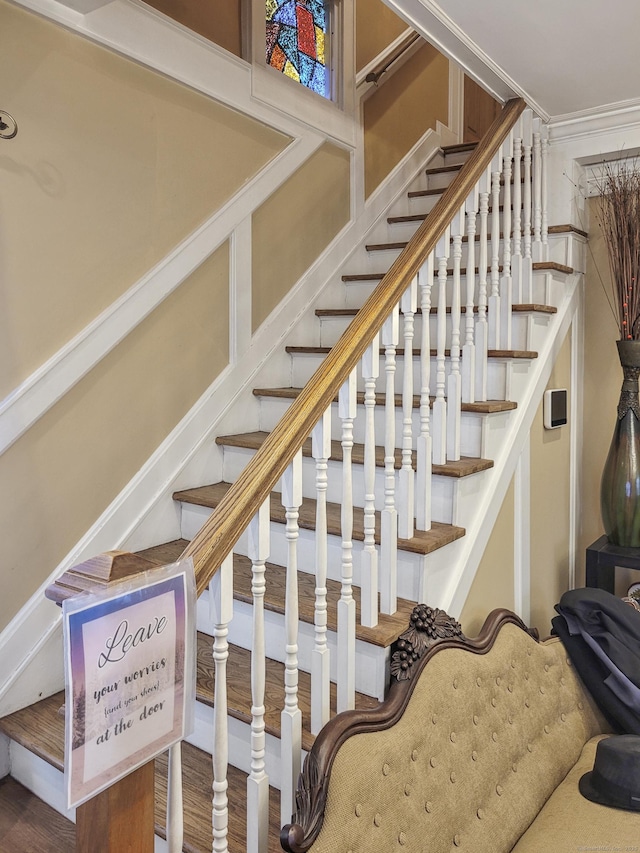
(193, 518)
(41, 778)
(371, 677)
(568, 249)
(304, 366)
(331, 327)
(455, 158)
(472, 424)
(442, 493)
(441, 180)
(416, 204)
(239, 743)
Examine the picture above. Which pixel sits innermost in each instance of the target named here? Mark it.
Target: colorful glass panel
(295, 41)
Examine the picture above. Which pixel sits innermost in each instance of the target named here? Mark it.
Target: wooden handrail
(405, 44)
(221, 531)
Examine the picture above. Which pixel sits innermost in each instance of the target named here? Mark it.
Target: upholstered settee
(478, 747)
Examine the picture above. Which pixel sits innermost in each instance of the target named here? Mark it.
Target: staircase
(377, 476)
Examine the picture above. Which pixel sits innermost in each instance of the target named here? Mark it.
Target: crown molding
(429, 19)
(598, 121)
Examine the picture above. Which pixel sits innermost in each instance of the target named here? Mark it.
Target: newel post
(121, 817)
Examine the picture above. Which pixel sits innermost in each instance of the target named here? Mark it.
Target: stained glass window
(297, 32)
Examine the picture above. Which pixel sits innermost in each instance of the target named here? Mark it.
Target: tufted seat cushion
(482, 745)
(572, 823)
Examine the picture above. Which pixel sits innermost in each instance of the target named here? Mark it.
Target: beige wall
(59, 477)
(550, 504)
(113, 165)
(376, 27)
(549, 496)
(602, 383)
(401, 110)
(493, 584)
(219, 22)
(316, 201)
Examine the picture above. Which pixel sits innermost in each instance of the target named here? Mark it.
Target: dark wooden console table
(602, 559)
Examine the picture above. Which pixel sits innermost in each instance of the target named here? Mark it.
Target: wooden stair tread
(381, 247)
(459, 148)
(385, 632)
(27, 824)
(402, 244)
(372, 276)
(40, 729)
(492, 353)
(525, 307)
(438, 170)
(423, 541)
(534, 308)
(483, 407)
(551, 266)
(197, 776)
(566, 229)
(441, 190)
(425, 193)
(239, 689)
(420, 217)
(465, 466)
(538, 266)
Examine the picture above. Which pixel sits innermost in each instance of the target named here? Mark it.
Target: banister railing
(376, 73)
(389, 499)
(220, 532)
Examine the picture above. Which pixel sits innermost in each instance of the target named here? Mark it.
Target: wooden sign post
(129, 648)
(121, 818)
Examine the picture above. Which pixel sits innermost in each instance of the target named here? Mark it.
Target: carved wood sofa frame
(478, 746)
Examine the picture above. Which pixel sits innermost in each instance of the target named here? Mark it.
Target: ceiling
(563, 56)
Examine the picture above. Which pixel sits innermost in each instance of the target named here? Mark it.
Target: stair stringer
(463, 557)
(31, 644)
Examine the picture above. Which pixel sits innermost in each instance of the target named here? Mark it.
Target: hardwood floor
(27, 825)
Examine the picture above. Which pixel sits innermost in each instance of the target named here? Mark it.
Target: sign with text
(130, 676)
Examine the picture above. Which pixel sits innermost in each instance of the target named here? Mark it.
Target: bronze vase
(620, 486)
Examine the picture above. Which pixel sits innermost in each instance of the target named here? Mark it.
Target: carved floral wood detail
(430, 630)
(426, 626)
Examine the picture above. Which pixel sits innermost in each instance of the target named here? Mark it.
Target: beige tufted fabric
(575, 824)
(482, 745)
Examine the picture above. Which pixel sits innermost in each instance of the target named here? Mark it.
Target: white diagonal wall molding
(53, 379)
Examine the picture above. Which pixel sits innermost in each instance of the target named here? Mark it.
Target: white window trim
(332, 116)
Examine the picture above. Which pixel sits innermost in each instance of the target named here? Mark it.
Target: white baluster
(527, 270)
(291, 717)
(454, 380)
(544, 255)
(320, 681)
(482, 331)
(346, 651)
(537, 189)
(494, 293)
(369, 565)
(221, 601)
(516, 257)
(258, 781)
(469, 347)
(406, 483)
(175, 819)
(506, 282)
(389, 515)
(439, 430)
(424, 451)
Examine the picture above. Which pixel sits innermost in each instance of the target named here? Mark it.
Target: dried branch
(619, 213)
